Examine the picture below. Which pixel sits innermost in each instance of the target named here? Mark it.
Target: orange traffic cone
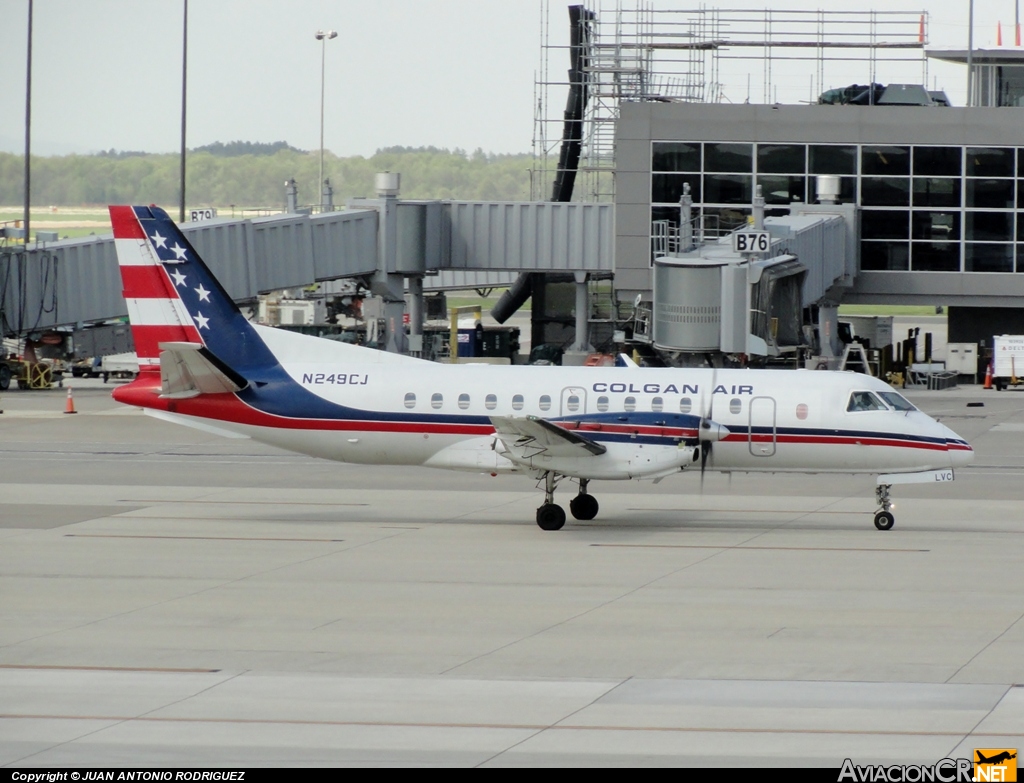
(988, 376)
(70, 406)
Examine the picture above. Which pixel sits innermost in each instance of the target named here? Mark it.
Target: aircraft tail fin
(173, 297)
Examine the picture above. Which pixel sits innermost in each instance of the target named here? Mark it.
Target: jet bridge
(712, 299)
(73, 282)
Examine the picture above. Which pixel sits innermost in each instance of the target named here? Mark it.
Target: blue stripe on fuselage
(285, 397)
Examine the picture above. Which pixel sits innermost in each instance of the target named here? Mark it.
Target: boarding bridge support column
(387, 282)
(828, 330)
(416, 314)
(582, 342)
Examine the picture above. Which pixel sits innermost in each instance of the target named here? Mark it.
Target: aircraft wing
(532, 435)
(190, 369)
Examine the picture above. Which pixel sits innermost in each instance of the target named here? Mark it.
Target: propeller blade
(711, 399)
(709, 432)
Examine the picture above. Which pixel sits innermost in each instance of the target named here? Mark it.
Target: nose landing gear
(884, 520)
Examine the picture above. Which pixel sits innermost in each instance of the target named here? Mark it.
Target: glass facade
(924, 208)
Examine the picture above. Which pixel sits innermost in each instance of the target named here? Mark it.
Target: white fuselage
(411, 412)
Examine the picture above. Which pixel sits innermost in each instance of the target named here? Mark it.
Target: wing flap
(189, 369)
(540, 436)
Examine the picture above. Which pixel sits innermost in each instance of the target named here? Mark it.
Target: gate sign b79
(751, 242)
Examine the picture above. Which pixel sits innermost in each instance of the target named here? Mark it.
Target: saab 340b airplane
(203, 364)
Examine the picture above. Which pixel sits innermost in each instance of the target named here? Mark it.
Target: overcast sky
(448, 73)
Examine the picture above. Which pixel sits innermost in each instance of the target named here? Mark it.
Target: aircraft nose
(959, 450)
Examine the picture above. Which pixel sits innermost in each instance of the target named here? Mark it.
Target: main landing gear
(551, 516)
(884, 520)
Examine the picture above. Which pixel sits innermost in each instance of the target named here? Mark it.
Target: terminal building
(937, 192)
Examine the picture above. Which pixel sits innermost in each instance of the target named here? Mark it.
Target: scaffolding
(636, 52)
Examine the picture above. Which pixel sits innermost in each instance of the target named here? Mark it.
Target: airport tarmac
(170, 598)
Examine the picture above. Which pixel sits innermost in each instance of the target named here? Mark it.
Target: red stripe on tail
(148, 338)
(146, 282)
(126, 224)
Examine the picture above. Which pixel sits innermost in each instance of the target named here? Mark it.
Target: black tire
(884, 520)
(584, 507)
(550, 517)
(5, 377)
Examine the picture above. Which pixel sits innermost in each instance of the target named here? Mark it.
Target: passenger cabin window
(410, 400)
(491, 401)
(657, 404)
(517, 402)
(685, 404)
(463, 401)
(897, 401)
(436, 400)
(865, 401)
(735, 405)
(602, 404)
(573, 403)
(545, 402)
(630, 404)
(801, 411)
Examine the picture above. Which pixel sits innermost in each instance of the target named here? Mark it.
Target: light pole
(28, 125)
(323, 38)
(184, 79)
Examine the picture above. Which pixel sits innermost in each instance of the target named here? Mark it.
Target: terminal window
(926, 208)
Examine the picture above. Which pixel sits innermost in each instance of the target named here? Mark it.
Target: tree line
(249, 174)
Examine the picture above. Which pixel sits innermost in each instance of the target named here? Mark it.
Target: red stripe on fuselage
(144, 392)
(839, 440)
(126, 224)
(628, 429)
(146, 282)
(229, 408)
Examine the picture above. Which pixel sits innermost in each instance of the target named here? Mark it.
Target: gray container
(687, 305)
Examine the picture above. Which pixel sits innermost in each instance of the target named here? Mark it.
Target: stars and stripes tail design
(156, 312)
(173, 297)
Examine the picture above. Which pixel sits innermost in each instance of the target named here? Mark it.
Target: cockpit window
(897, 401)
(865, 401)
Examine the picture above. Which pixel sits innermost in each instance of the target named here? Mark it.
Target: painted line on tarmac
(206, 538)
(516, 726)
(771, 548)
(157, 669)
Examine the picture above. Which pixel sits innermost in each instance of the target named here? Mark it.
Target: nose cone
(959, 450)
(711, 431)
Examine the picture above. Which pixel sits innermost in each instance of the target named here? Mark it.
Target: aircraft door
(761, 429)
(574, 401)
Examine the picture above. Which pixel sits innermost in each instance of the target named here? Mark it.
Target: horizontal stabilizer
(542, 437)
(189, 369)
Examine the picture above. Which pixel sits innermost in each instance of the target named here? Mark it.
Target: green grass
(887, 310)
(68, 222)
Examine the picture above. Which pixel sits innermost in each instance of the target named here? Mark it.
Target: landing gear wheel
(550, 517)
(884, 520)
(584, 506)
(5, 377)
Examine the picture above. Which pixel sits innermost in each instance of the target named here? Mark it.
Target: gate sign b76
(751, 242)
